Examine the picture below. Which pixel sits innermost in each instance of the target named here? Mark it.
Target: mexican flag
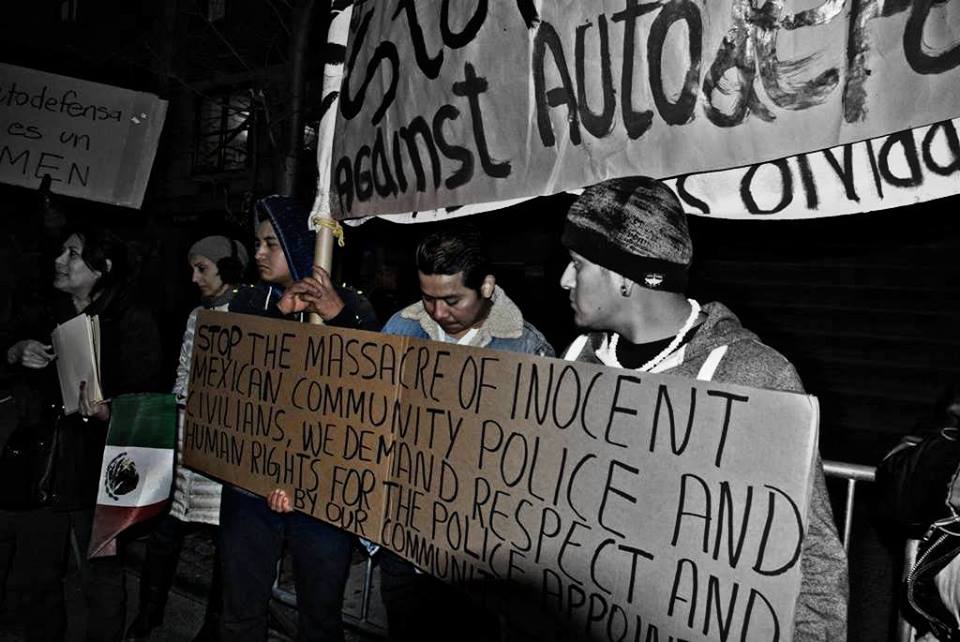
(137, 469)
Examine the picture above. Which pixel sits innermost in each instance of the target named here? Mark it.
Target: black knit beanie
(634, 226)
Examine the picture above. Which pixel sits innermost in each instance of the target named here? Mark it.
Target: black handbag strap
(8, 417)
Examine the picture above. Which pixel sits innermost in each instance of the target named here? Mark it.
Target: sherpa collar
(503, 322)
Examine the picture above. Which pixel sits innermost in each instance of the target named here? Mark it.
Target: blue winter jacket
(503, 329)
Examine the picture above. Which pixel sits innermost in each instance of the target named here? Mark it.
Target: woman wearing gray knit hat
(630, 251)
(218, 264)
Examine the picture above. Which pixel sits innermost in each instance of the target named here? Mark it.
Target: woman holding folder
(47, 508)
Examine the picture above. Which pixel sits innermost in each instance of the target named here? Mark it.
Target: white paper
(76, 344)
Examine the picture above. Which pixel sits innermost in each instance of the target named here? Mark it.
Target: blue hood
(289, 220)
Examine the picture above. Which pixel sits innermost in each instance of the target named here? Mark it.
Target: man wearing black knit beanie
(630, 252)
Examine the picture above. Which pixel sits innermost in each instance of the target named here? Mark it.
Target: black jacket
(289, 220)
(130, 362)
(66, 451)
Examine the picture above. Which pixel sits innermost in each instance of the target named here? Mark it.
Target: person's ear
(108, 265)
(487, 287)
(626, 286)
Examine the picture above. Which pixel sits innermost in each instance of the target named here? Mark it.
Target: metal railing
(854, 473)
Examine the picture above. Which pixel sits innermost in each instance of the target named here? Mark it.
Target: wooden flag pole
(321, 220)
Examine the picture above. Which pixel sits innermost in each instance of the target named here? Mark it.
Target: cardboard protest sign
(447, 104)
(95, 141)
(904, 168)
(634, 504)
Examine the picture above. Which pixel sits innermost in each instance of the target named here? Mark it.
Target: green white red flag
(137, 469)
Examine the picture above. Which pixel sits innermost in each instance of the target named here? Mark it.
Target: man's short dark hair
(451, 251)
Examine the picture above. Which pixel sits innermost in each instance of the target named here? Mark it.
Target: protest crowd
(630, 251)
(639, 464)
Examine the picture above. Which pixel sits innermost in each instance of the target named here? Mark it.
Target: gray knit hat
(634, 226)
(217, 248)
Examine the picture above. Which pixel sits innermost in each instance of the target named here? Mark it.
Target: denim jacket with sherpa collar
(503, 329)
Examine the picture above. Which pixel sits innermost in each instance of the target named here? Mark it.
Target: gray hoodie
(822, 604)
